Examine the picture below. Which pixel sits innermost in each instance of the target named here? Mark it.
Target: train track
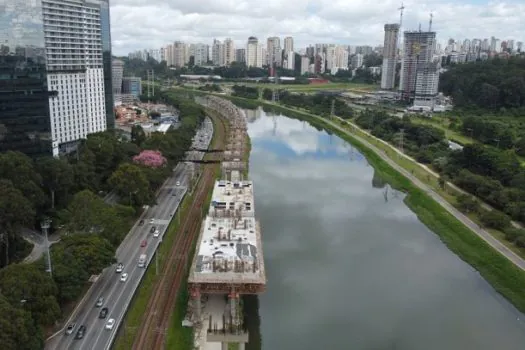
(160, 306)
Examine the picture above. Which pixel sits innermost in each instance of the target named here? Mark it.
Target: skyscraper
(117, 72)
(389, 56)
(67, 43)
(288, 44)
(418, 51)
(274, 52)
(24, 96)
(254, 53)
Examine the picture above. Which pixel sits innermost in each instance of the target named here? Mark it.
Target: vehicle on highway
(110, 324)
(141, 222)
(152, 229)
(70, 328)
(103, 313)
(143, 243)
(142, 260)
(81, 332)
(178, 183)
(151, 221)
(124, 277)
(100, 302)
(156, 233)
(119, 268)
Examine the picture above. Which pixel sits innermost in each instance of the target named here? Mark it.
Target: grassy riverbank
(503, 275)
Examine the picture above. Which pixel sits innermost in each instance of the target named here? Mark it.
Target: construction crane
(401, 9)
(430, 22)
(401, 15)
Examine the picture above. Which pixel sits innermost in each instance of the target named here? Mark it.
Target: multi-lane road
(117, 294)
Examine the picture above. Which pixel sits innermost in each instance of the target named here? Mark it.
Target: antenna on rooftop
(430, 22)
(401, 15)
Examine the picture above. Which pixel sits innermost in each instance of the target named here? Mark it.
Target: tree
(149, 158)
(75, 259)
(57, 176)
(19, 332)
(495, 219)
(467, 204)
(15, 212)
(137, 135)
(29, 285)
(129, 181)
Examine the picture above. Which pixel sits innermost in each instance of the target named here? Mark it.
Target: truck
(142, 260)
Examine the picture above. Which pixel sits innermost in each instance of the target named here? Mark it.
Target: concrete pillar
(224, 346)
(241, 346)
(196, 295)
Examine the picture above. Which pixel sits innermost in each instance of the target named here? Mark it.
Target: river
(349, 266)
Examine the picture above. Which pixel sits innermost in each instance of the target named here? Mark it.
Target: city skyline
(318, 21)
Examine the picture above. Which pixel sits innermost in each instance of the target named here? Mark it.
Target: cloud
(138, 24)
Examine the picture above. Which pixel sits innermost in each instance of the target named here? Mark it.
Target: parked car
(103, 313)
(100, 302)
(143, 243)
(110, 324)
(124, 277)
(81, 332)
(70, 328)
(152, 229)
(120, 267)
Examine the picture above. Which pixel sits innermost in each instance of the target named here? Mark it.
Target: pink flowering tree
(149, 158)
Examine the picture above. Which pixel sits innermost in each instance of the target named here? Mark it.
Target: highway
(117, 295)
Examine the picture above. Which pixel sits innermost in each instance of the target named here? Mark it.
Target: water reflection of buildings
(253, 114)
(377, 180)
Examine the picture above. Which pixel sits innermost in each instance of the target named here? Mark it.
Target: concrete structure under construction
(228, 261)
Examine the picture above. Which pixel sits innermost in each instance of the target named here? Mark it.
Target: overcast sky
(148, 24)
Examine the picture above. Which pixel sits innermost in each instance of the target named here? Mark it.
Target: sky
(151, 24)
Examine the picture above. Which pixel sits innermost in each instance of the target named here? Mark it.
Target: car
(70, 328)
(178, 183)
(100, 302)
(81, 332)
(103, 313)
(124, 277)
(156, 233)
(110, 324)
(143, 243)
(151, 221)
(120, 267)
(152, 229)
(141, 222)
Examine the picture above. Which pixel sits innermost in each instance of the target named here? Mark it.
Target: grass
(140, 301)
(311, 87)
(502, 274)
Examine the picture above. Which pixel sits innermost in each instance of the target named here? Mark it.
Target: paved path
(486, 236)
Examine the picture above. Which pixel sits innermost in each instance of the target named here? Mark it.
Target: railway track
(155, 322)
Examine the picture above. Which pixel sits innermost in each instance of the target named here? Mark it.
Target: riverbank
(500, 272)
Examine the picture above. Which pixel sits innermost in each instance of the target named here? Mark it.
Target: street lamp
(45, 224)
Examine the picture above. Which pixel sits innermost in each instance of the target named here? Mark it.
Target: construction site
(228, 261)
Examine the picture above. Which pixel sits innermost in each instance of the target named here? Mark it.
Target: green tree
(34, 288)
(467, 204)
(15, 212)
(130, 182)
(19, 331)
(57, 176)
(137, 135)
(495, 219)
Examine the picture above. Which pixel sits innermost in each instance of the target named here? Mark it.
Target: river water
(349, 266)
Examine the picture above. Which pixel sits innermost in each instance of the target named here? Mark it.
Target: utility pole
(402, 139)
(332, 110)
(45, 224)
(275, 91)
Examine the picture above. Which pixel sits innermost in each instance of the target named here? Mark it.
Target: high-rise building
(228, 52)
(388, 76)
(418, 51)
(217, 53)
(78, 50)
(273, 49)
(254, 53)
(132, 86)
(180, 54)
(305, 64)
(240, 55)
(200, 54)
(288, 44)
(117, 71)
(24, 95)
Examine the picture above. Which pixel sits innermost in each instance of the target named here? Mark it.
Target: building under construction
(228, 260)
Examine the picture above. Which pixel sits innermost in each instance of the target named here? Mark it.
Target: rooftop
(233, 198)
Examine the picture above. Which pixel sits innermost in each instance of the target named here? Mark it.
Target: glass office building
(107, 62)
(24, 96)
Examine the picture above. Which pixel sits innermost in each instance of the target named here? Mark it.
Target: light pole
(45, 224)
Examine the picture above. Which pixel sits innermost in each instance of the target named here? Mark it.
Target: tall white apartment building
(200, 53)
(289, 62)
(228, 55)
(181, 54)
(117, 72)
(217, 53)
(388, 70)
(73, 41)
(273, 47)
(288, 44)
(305, 64)
(254, 53)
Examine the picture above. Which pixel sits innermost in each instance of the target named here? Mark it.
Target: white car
(110, 324)
(178, 183)
(156, 233)
(151, 221)
(124, 277)
(120, 267)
